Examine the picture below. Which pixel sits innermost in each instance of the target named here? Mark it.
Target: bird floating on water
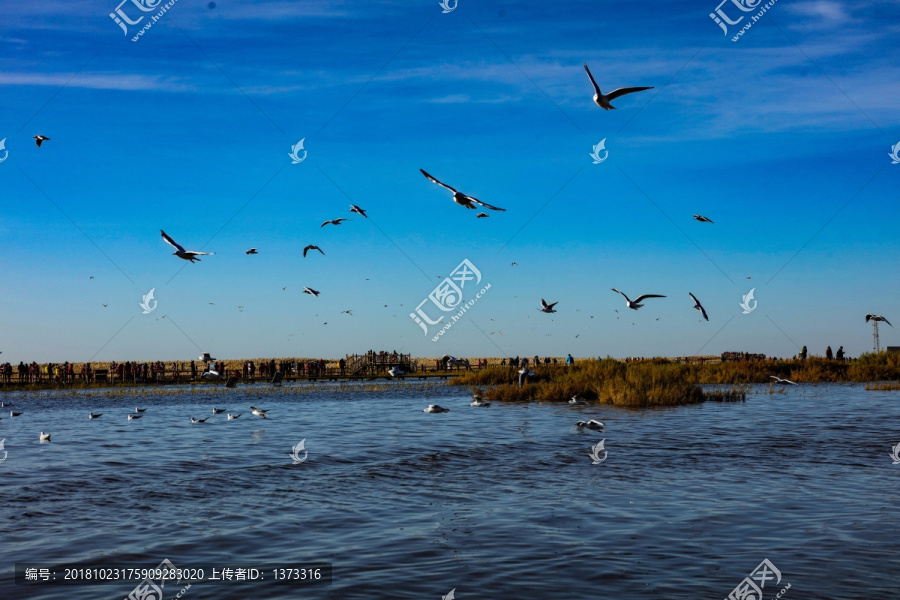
(219, 410)
(592, 424)
(547, 308)
(311, 247)
(139, 410)
(698, 306)
(133, 417)
(435, 408)
(45, 437)
(782, 381)
(180, 252)
(459, 197)
(193, 420)
(93, 416)
(603, 101)
(636, 304)
(478, 401)
(39, 139)
(703, 219)
(14, 414)
(232, 417)
(577, 399)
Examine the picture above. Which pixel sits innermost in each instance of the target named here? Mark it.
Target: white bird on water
(219, 410)
(180, 252)
(139, 410)
(547, 308)
(479, 401)
(93, 416)
(636, 303)
(232, 417)
(193, 420)
(459, 197)
(45, 437)
(259, 412)
(577, 399)
(434, 408)
(592, 424)
(15, 414)
(133, 417)
(603, 101)
(698, 306)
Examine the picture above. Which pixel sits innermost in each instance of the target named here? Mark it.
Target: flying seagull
(877, 318)
(547, 308)
(347, 311)
(396, 372)
(40, 138)
(482, 215)
(697, 305)
(259, 412)
(311, 247)
(307, 290)
(459, 197)
(360, 211)
(251, 251)
(334, 222)
(604, 101)
(636, 304)
(782, 381)
(703, 219)
(592, 424)
(180, 252)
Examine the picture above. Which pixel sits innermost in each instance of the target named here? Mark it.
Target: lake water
(498, 502)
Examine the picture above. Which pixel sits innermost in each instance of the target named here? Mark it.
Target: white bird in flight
(698, 306)
(547, 308)
(636, 303)
(395, 372)
(603, 101)
(592, 424)
(461, 198)
(180, 252)
(360, 211)
(38, 139)
(782, 381)
(703, 219)
(877, 318)
(311, 247)
(307, 290)
(334, 222)
(259, 412)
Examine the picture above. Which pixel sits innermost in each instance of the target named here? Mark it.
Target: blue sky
(782, 138)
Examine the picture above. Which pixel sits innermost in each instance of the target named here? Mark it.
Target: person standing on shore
(569, 360)
(828, 353)
(803, 353)
(840, 354)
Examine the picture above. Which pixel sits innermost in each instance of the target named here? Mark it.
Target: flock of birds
(138, 413)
